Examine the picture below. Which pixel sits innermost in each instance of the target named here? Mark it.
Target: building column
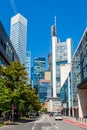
(73, 112)
(68, 96)
(82, 102)
(69, 113)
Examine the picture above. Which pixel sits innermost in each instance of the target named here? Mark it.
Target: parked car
(58, 117)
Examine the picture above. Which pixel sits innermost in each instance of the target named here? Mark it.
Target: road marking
(53, 124)
(50, 128)
(33, 127)
(57, 127)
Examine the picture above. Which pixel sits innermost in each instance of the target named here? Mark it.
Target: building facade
(47, 75)
(64, 72)
(7, 51)
(66, 96)
(54, 105)
(61, 54)
(79, 78)
(44, 90)
(28, 64)
(18, 36)
(39, 68)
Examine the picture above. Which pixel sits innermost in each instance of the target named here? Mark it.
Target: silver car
(58, 117)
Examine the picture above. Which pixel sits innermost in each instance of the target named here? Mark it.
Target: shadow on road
(23, 120)
(26, 120)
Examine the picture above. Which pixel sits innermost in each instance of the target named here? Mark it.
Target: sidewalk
(73, 120)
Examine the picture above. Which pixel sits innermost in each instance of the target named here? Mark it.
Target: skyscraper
(39, 68)
(28, 63)
(44, 90)
(61, 54)
(79, 77)
(18, 36)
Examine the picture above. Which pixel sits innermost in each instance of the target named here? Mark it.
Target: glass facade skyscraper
(79, 74)
(18, 36)
(61, 54)
(61, 58)
(79, 62)
(39, 68)
(28, 63)
(44, 90)
(66, 96)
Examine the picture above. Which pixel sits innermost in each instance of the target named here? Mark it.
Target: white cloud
(13, 6)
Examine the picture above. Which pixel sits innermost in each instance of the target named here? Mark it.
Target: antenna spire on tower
(54, 27)
(55, 23)
(55, 20)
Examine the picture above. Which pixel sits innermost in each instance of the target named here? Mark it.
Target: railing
(82, 120)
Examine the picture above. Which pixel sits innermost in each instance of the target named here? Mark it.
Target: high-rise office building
(66, 96)
(44, 90)
(18, 36)
(61, 54)
(64, 72)
(79, 78)
(28, 63)
(39, 68)
(32, 75)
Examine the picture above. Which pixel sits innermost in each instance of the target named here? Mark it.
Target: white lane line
(53, 124)
(33, 127)
(57, 127)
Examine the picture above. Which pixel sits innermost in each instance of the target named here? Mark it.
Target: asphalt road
(44, 122)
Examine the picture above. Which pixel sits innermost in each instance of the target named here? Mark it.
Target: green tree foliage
(5, 97)
(14, 75)
(14, 90)
(44, 110)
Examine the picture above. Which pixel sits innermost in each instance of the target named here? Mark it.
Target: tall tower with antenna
(54, 42)
(61, 55)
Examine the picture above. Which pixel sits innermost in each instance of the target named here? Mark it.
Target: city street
(44, 122)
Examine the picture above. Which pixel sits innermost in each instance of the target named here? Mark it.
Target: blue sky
(71, 20)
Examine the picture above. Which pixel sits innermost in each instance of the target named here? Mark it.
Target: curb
(75, 123)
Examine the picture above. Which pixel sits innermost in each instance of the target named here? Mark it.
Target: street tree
(15, 92)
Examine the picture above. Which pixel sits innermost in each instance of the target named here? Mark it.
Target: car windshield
(59, 114)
